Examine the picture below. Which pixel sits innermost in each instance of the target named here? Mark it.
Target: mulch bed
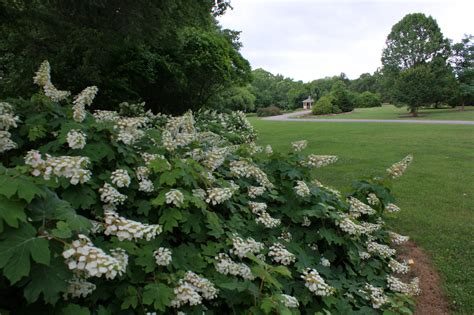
(431, 301)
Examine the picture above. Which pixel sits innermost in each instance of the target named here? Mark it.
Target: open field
(392, 112)
(436, 194)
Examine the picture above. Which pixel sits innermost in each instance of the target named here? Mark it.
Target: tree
(416, 39)
(236, 98)
(343, 98)
(414, 89)
(462, 60)
(169, 53)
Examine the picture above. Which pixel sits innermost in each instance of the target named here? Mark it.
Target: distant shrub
(325, 105)
(368, 99)
(268, 111)
(343, 98)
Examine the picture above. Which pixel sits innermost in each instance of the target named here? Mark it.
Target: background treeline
(174, 56)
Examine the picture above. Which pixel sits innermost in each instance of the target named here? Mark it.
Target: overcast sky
(311, 39)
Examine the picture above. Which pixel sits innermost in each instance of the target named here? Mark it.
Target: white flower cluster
(346, 224)
(225, 265)
(281, 255)
(398, 239)
(7, 120)
(218, 195)
(299, 145)
(179, 132)
(289, 301)
(359, 208)
(126, 229)
(302, 189)
(397, 169)
(255, 192)
(71, 167)
(148, 158)
(254, 148)
(392, 208)
(372, 199)
(246, 170)
(396, 285)
(90, 261)
(324, 262)
(243, 247)
(369, 228)
(78, 288)
(76, 139)
(82, 100)
(120, 178)
(285, 236)
(398, 267)
(192, 289)
(214, 158)
(43, 79)
(174, 196)
(375, 295)
(306, 222)
(199, 193)
(269, 149)
(317, 183)
(111, 196)
(106, 116)
(380, 249)
(163, 256)
(259, 208)
(315, 283)
(129, 129)
(314, 160)
(364, 255)
(144, 183)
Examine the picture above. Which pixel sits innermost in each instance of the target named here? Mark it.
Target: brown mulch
(431, 301)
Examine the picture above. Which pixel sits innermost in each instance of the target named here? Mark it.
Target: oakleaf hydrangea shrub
(105, 212)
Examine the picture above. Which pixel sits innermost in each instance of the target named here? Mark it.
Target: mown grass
(436, 194)
(392, 112)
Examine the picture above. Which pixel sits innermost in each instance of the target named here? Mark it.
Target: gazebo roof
(308, 100)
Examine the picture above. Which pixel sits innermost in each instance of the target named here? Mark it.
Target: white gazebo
(308, 103)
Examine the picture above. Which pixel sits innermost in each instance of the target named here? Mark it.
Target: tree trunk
(462, 106)
(414, 112)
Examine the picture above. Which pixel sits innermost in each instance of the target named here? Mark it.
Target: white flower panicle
(364, 255)
(269, 149)
(315, 283)
(76, 139)
(7, 120)
(358, 208)
(257, 207)
(103, 116)
(373, 200)
(110, 195)
(255, 192)
(380, 249)
(302, 189)
(324, 262)
(285, 236)
(306, 222)
(129, 129)
(219, 195)
(281, 255)
(192, 289)
(214, 158)
(375, 295)
(89, 261)
(199, 193)
(78, 288)
(163, 256)
(120, 178)
(226, 266)
(243, 169)
(266, 220)
(299, 145)
(397, 169)
(396, 285)
(398, 239)
(242, 247)
(398, 267)
(289, 301)
(126, 229)
(317, 161)
(82, 100)
(174, 196)
(144, 183)
(6, 143)
(392, 208)
(71, 167)
(43, 79)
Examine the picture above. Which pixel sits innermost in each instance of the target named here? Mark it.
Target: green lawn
(392, 112)
(436, 194)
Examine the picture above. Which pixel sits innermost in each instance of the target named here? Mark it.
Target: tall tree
(463, 63)
(169, 53)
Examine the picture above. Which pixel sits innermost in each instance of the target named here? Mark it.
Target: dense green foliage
(268, 111)
(109, 213)
(463, 63)
(170, 54)
(368, 99)
(325, 105)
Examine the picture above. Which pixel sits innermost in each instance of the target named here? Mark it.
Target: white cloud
(310, 39)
